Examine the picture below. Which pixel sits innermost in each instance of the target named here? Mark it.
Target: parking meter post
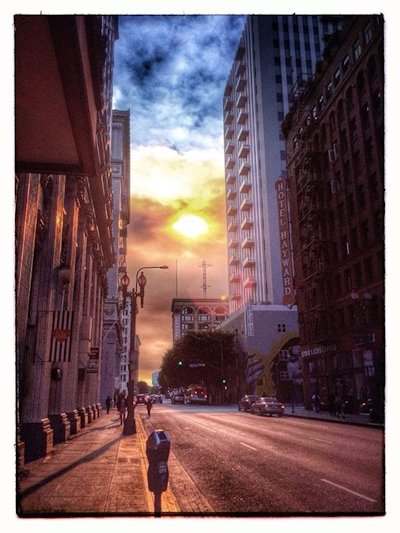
(157, 504)
(157, 451)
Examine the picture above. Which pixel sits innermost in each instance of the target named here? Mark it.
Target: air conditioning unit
(334, 186)
(332, 154)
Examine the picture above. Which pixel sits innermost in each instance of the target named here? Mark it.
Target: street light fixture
(129, 422)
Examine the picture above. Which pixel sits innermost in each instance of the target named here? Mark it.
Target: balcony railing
(248, 261)
(249, 282)
(244, 150)
(241, 101)
(242, 117)
(244, 169)
(246, 223)
(230, 163)
(243, 134)
(231, 193)
(229, 147)
(233, 243)
(230, 178)
(245, 185)
(248, 243)
(246, 204)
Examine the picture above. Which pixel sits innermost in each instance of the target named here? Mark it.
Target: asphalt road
(245, 464)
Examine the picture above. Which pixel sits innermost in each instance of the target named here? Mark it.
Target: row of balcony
(243, 152)
(246, 243)
(245, 205)
(249, 282)
(245, 186)
(241, 101)
(244, 168)
(246, 223)
(241, 118)
(247, 261)
(242, 135)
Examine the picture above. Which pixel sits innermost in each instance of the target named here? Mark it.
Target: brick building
(334, 134)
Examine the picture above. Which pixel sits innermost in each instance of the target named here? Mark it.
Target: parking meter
(157, 451)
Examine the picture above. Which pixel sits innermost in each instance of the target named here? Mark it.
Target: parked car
(267, 405)
(178, 397)
(365, 407)
(156, 398)
(244, 403)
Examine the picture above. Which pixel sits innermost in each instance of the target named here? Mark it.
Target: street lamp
(129, 422)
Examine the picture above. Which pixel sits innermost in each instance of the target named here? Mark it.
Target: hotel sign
(281, 186)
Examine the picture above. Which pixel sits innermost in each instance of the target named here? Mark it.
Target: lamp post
(129, 422)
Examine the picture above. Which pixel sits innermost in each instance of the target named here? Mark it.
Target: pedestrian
(149, 405)
(331, 402)
(122, 408)
(108, 404)
(316, 401)
(339, 407)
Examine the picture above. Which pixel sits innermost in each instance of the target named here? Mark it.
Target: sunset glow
(191, 226)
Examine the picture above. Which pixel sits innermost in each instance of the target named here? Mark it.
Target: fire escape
(315, 248)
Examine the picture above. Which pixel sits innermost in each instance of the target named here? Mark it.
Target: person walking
(149, 405)
(108, 404)
(316, 401)
(122, 408)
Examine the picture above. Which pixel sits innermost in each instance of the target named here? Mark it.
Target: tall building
(116, 318)
(63, 221)
(335, 134)
(197, 314)
(274, 51)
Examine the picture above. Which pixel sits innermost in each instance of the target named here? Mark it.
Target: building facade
(116, 316)
(63, 221)
(191, 314)
(335, 134)
(272, 53)
(267, 340)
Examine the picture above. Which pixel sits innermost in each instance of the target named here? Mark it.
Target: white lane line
(321, 440)
(196, 424)
(348, 490)
(247, 446)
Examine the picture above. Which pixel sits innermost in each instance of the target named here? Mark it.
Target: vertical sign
(285, 240)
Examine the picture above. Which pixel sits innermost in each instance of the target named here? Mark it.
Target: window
(353, 130)
(283, 375)
(343, 142)
(356, 50)
(368, 269)
(367, 33)
(354, 240)
(321, 102)
(361, 197)
(329, 90)
(365, 118)
(281, 328)
(371, 68)
(350, 205)
(345, 63)
(364, 233)
(360, 83)
(336, 77)
(349, 99)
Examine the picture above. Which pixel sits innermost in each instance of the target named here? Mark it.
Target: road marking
(348, 490)
(247, 446)
(321, 440)
(196, 424)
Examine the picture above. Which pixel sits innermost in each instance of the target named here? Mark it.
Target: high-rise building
(335, 135)
(116, 318)
(274, 52)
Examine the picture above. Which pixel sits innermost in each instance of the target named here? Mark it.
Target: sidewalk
(359, 420)
(97, 472)
(101, 472)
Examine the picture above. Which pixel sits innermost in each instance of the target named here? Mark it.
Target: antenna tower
(204, 265)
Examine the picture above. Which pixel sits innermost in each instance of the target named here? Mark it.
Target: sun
(190, 226)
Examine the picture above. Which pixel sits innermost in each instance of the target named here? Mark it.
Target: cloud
(170, 71)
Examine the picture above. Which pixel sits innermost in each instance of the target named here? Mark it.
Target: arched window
(340, 111)
(323, 135)
(332, 123)
(349, 99)
(371, 68)
(360, 83)
(204, 314)
(316, 143)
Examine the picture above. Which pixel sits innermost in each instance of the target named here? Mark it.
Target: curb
(337, 421)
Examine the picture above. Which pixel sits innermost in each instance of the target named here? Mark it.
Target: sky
(170, 72)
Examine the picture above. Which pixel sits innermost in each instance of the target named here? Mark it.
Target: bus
(196, 394)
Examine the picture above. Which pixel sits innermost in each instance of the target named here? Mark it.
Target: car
(267, 405)
(244, 403)
(141, 398)
(156, 398)
(365, 407)
(178, 397)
